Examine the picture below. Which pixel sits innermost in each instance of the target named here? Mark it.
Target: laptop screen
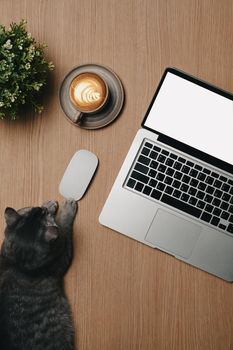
(193, 115)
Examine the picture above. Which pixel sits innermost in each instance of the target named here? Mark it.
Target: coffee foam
(88, 92)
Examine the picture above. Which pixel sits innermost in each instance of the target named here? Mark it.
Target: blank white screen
(195, 116)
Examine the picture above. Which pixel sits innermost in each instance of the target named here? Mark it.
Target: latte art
(88, 92)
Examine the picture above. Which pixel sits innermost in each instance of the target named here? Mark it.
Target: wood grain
(124, 295)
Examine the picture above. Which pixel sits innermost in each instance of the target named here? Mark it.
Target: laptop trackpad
(173, 233)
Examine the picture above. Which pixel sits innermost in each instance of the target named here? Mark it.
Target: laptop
(174, 191)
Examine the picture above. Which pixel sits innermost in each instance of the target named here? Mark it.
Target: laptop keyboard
(183, 184)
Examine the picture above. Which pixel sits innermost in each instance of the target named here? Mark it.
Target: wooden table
(124, 295)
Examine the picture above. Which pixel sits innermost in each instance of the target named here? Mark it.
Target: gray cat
(35, 255)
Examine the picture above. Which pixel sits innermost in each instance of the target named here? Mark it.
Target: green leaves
(23, 70)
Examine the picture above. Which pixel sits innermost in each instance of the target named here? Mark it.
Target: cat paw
(52, 206)
(67, 214)
(70, 207)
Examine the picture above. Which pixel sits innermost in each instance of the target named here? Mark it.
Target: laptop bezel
(180, 145)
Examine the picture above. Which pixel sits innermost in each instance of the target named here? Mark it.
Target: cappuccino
(88, 92)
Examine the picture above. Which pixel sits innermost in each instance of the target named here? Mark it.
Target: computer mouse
(78, 174)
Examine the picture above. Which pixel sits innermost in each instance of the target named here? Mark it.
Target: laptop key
(226, 197)
(201, 176)
(215, 221)
(145, 151)
(140, 177)
(162, 168)
(144, 160)
(177, 193)
(217, 211)
(210, 189)
(142, 168)
(176, 203)
(156, 194)
(182, 160)
(202, 186)
(185, 169)
(224, 205)
(193, 200)
(225, 187)
(217, 183)
(161, 158)
(218, 193)
(147, 190)
(168, 180)
(193, 173)
(206, 171)
(230, 209)
(153, 183)
(190, 163)
(153, 155)
(185, 197)
(131, 183)
(192, 191)
(169, 162)
(178, 175)
(194, 182)
(209, 180)
(230, 228)
(223, 178)
(214, 174)
(176, 184)
(198, 167)
(208, 198)
(168, 189)
(200, 204)
(154, 164)
(148, 144)
(206, 217)
(209, 208)
(186, 179)
(225, 215)
(160, 186)
(166, 153)
(223, 227)
(177, 165)
(200, 194)
(160, 177)
(170, 171)
(139, 187)
(156, 148)
(173, 156)
(184, 188)
(216, 202)
(152, 173)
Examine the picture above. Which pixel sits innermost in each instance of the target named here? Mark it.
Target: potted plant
(23, 70)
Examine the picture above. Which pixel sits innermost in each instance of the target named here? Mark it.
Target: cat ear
(51, 233)
(11, 216)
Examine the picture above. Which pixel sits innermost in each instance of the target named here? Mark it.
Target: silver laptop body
(174, 190)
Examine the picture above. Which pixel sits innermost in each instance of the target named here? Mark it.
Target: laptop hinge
(196, 153)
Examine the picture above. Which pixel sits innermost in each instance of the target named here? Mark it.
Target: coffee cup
(88, 93)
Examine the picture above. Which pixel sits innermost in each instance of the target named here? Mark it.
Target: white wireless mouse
(78, 175)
